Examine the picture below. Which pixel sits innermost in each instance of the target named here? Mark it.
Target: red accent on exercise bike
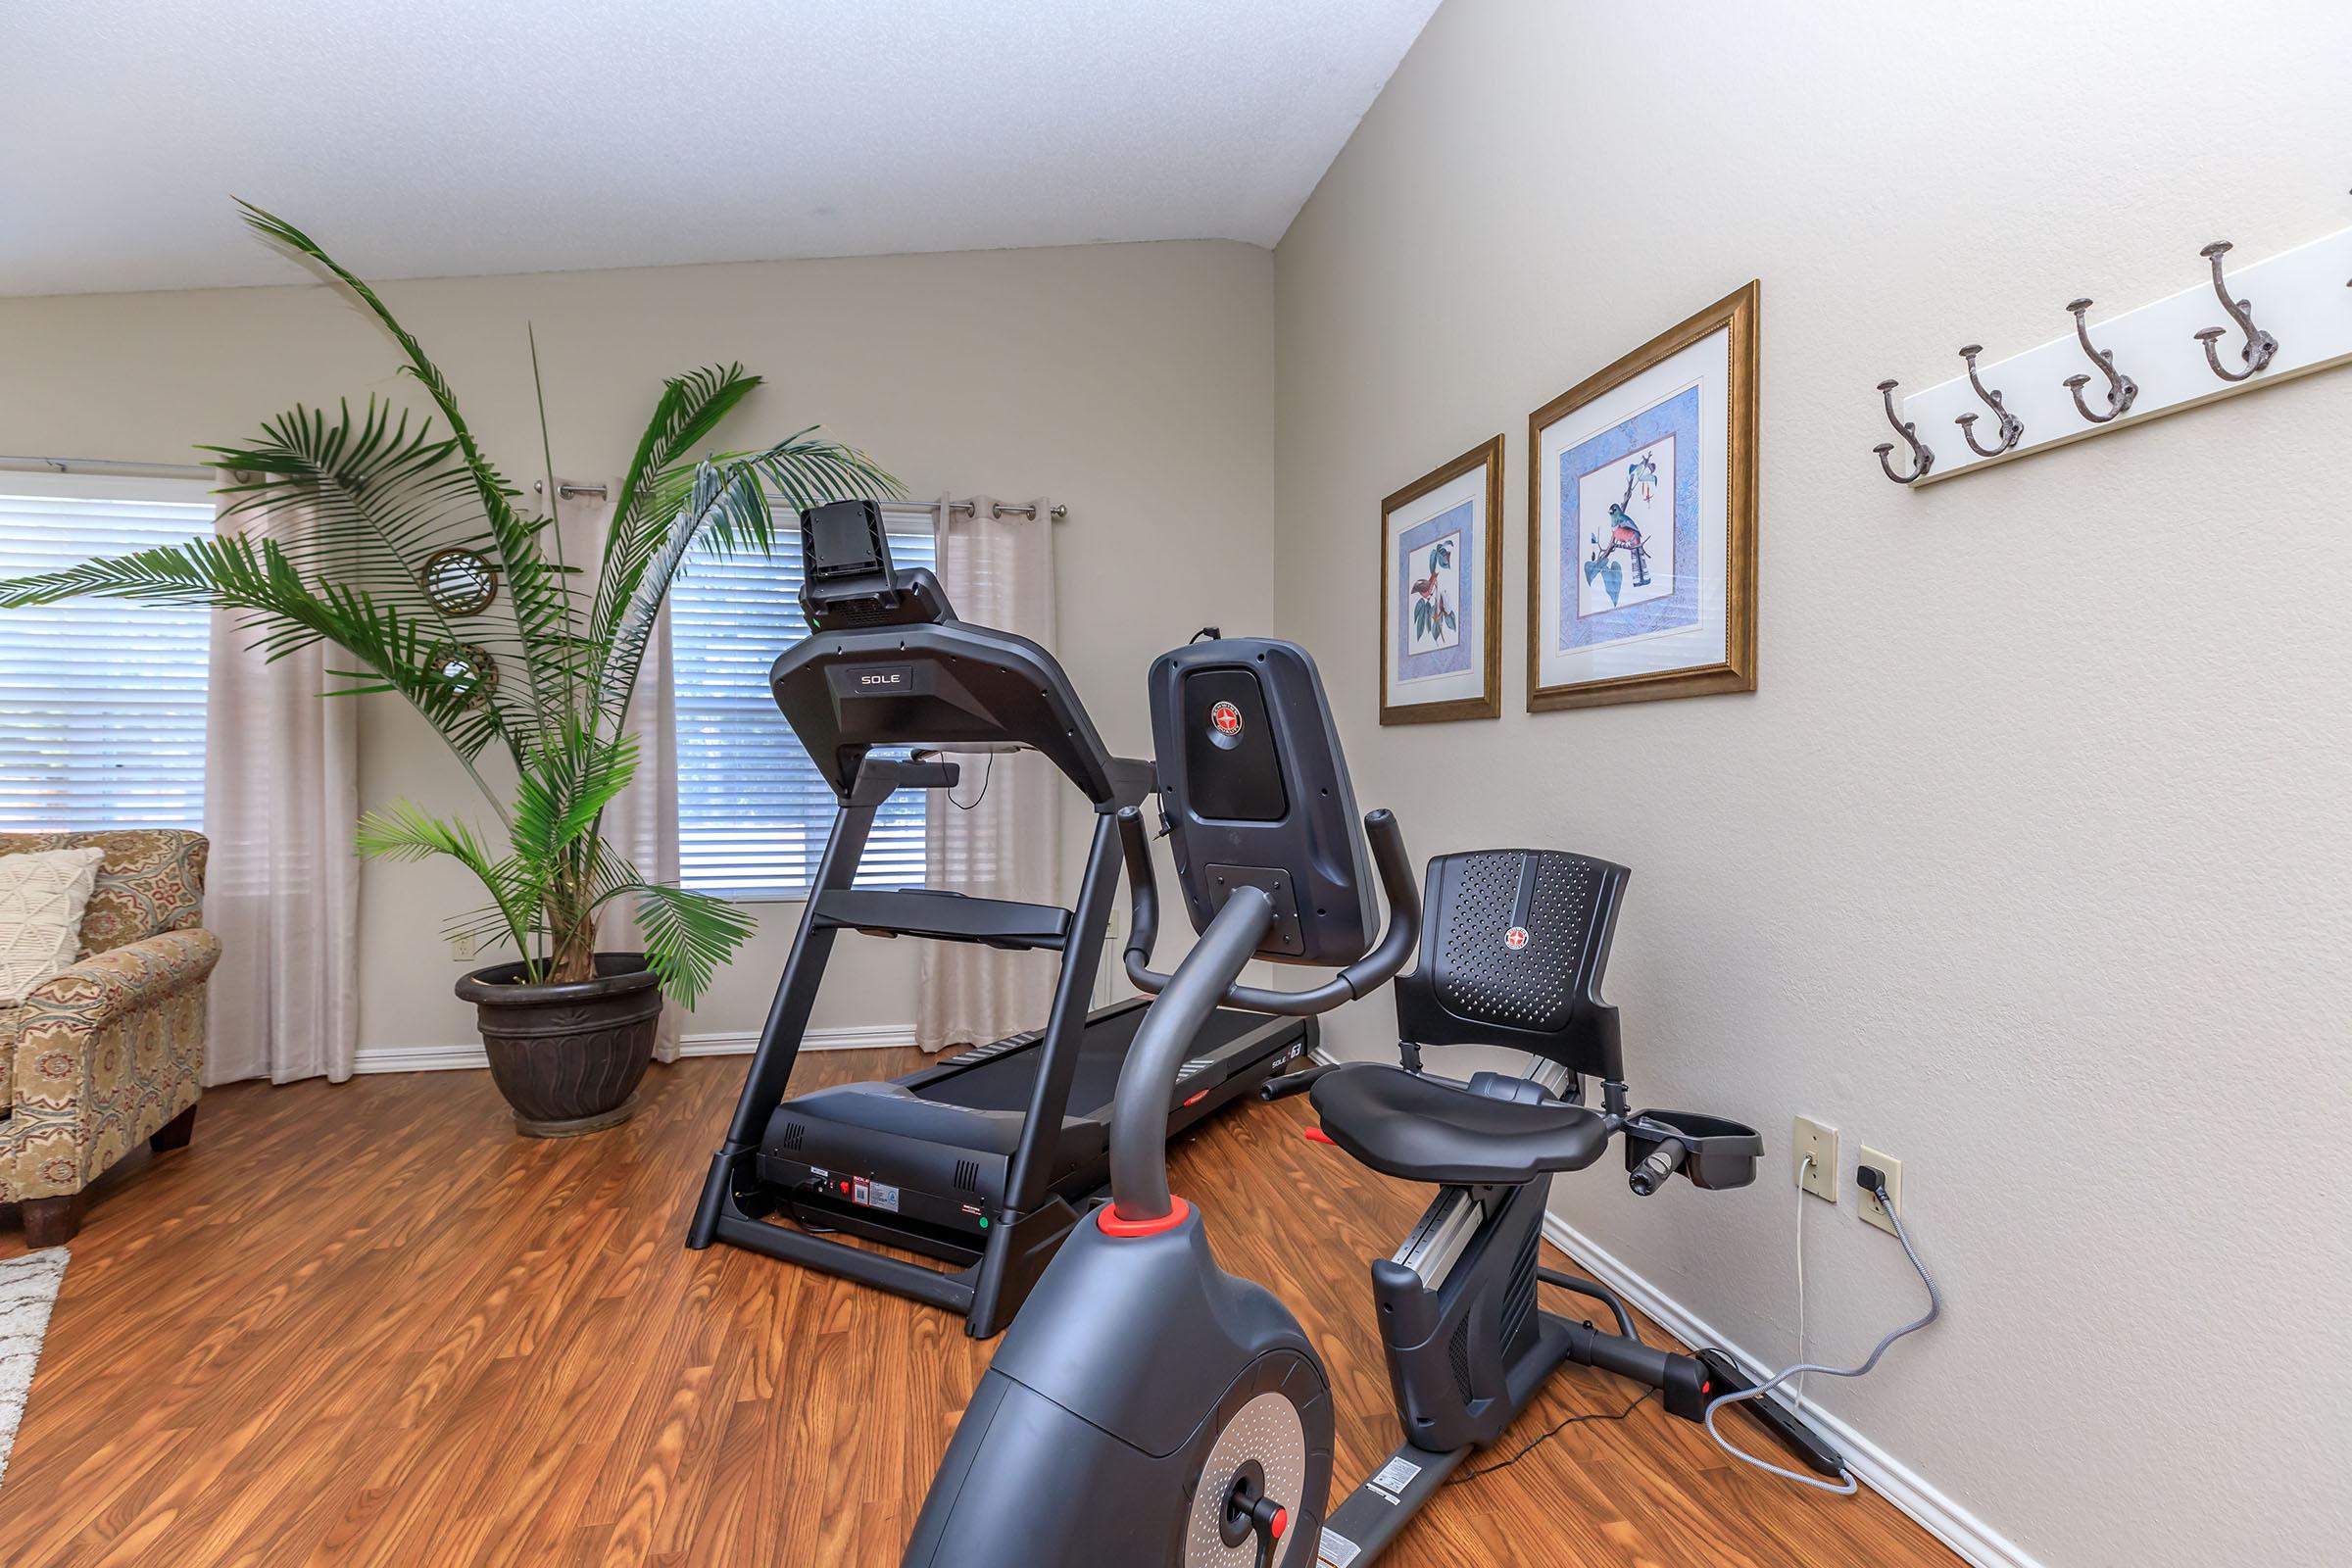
(1316, 1135)
(1113, 1224)
(1282, 1522)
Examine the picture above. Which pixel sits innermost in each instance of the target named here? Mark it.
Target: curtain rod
(196, 471)
(187, 470)
(1000, 510)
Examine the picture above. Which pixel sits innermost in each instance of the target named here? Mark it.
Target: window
(101, 699)
(753, 812)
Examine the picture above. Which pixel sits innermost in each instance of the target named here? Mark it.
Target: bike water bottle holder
(1713, 1154)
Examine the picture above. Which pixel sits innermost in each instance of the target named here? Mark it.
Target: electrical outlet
(461, 947)
(1821, 1142)
(1872, 1211)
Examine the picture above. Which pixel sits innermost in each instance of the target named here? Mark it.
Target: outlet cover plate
(1874, 1212)
(1818, 1140)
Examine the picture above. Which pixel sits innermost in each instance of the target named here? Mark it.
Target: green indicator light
(984, 1222)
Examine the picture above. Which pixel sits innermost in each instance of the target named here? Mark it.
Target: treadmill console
(887, 663)
(1254, 790)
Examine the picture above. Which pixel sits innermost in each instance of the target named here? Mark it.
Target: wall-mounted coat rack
(2240, 329)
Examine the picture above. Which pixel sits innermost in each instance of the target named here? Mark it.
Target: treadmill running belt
(1004, 1083)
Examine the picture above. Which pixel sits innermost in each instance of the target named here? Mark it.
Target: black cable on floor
(1565, 1423)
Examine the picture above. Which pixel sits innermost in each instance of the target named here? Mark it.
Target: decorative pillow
(42, 897)
(151, 880)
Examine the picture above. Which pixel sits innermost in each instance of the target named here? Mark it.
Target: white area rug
(29, 1287)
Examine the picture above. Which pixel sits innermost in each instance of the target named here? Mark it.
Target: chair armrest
(107, 986)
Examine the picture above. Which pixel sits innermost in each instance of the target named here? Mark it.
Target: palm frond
(688, 934)
(237, 573)
(541, 605)
(564, 788)
(362, 504)
(690, 406)
(404, 831)
(720, 504)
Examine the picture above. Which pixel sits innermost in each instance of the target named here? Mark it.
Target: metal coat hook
(2260, 346)
(1922, 460)
(2013, 428)
(2121, 388)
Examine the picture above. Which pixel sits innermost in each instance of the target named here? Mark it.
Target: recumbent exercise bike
(1147, 1409)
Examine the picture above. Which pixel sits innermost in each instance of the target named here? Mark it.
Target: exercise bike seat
(1403, 1124)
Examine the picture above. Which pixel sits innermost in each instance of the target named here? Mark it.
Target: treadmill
(982, 1163)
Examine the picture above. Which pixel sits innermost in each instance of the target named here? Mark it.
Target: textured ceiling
(435, 137)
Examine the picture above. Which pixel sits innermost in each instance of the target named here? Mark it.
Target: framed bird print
(1641, 522)
(1441, 593)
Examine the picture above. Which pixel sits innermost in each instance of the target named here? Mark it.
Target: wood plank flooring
(368, 1325)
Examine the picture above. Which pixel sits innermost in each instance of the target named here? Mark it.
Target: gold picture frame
(1440, 625)
(1609, 630)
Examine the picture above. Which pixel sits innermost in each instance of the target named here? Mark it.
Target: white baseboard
(727, 1043)
(1972, 1538)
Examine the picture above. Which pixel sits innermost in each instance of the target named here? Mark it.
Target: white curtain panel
(998, 834)
(642, 822)
(281, 799)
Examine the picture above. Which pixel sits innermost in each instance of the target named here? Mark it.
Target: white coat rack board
(2245, 327)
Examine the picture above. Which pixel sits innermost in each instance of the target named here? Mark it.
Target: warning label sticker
(1397, 1475)
(881, 1196)
(1337, 1550)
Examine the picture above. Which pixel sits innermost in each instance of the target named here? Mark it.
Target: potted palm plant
(405, 548)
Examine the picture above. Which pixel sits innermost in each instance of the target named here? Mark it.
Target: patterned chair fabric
(98, 1059)
(151, 880)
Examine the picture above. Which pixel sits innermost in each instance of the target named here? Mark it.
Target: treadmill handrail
(1373, 969)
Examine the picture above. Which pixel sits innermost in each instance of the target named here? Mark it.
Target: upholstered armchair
(111, 1052)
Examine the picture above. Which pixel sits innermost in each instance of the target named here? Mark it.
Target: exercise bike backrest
(1272, 863)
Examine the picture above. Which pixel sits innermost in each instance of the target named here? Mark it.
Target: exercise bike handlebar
(1368, 973)
(1207, 980)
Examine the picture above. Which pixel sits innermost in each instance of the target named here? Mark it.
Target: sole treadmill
(922, 1161)
(984, 1162)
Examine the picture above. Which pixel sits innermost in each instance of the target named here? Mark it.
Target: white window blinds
(753, 812)
(101, 699)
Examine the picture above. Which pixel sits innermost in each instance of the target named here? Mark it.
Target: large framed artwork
(1441, 593)
(1641, 522)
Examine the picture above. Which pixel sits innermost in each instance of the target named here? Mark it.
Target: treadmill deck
(922, 1161)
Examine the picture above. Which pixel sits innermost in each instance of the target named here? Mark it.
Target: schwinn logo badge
(1515, 938)
(1227, 718)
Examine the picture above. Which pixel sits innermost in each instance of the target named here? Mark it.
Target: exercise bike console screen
(1255, 794)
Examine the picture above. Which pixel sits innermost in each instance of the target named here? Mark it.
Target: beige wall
(1132, 382)
(2028, 862)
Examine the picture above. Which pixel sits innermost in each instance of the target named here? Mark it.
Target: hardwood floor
(367, 1324)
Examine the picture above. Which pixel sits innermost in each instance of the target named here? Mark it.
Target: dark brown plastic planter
(568, 1058)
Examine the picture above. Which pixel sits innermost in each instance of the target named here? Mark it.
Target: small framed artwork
(1441, 593)
(1641, 522)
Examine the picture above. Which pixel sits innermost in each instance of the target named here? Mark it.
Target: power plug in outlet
(1874, 1212)
(1821, 1142)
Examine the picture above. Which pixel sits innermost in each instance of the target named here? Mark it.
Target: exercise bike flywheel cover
(1268, 1428)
